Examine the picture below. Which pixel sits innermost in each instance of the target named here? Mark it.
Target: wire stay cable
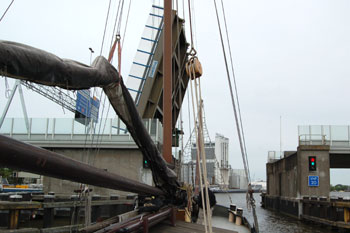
(234, 82)
(250, 197)
(104, 33)
(3, 15)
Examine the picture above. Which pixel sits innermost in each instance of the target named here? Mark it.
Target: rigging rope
(194, 70)
(104, 33)
(126, 23)
(183, 9)
(194, 23)
(232, 98)
(235, 84)
(190, 17)
(198, 156)
(120, 18)
(203, 150)
(115, 24)
(90, 160)
(110, 58)
(239, 129)
(3, 15)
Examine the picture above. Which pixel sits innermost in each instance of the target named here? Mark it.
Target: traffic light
(146, 163)
(312, 163)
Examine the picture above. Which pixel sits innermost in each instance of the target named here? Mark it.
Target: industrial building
(217, 154)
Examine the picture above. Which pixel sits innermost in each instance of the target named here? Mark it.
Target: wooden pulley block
(194, 68)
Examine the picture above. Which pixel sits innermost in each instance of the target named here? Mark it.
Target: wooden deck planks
(183, 227)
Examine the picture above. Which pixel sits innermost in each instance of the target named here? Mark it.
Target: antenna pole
(280, 136)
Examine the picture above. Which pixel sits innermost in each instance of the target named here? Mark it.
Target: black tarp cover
(31, 64)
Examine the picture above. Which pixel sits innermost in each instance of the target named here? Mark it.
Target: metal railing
(313, 139)
(67, 130)
(274, 156)
(332, 135)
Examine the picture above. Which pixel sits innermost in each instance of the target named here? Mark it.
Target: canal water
(270, 221)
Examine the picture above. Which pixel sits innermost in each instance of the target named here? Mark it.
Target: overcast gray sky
(291, 59)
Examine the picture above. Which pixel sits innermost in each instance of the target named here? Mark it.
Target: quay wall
(287, 206)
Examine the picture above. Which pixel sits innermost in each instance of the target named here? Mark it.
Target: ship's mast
(167, 81)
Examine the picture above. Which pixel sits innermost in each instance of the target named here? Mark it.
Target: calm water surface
(270, 221)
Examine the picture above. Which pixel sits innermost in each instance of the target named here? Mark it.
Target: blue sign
(82, 103)
(314, 181)
(86, 105)
(95, 106)
(153, 69)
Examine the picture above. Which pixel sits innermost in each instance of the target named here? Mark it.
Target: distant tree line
(340, 187)
(8, 174)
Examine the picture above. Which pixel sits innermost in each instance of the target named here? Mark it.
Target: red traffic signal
(312, 163)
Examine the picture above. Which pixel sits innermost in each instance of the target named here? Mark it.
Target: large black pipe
(25, 157)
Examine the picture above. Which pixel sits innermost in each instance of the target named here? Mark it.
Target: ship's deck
(184, 227)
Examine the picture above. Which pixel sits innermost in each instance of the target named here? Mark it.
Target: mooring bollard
(239, 216)
(14, 214)
(49, 212)
(231, 213)
(231, 216)
(233, 207)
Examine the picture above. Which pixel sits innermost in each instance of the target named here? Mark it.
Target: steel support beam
(2, 119)
(25, 157)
